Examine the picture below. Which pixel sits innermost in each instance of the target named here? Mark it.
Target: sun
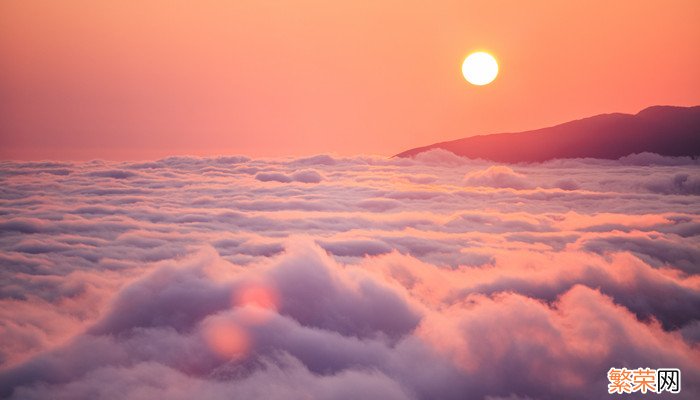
(480, 68)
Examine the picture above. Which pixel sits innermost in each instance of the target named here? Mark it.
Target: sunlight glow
(480, 68)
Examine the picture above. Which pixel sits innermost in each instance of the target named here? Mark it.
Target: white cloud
(328, 277)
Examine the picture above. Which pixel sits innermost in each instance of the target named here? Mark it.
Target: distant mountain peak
(665, 130)
(656, 110)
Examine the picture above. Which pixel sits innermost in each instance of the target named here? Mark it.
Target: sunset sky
(145, 79)
(198, 199)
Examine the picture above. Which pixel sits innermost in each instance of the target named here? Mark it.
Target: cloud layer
(327, 277)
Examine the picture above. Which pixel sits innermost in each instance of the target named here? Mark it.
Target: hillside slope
(666, 130)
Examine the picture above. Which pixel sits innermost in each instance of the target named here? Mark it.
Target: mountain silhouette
(665, 130)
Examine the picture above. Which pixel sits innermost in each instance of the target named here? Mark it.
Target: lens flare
(258, 302)
(227, 339)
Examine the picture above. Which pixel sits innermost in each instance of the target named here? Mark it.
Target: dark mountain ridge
(665, 130)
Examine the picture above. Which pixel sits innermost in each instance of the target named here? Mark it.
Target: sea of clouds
(346, 278)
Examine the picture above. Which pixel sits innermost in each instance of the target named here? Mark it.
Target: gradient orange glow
(258, 303)
(257, 296)
(113, 79)
(227, 339)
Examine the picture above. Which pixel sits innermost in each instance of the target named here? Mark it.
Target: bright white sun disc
(480, 68)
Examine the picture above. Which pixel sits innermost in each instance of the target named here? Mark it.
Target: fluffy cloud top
(498, 176)
(341, 278)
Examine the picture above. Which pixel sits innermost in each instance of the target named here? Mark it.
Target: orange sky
(145, 79)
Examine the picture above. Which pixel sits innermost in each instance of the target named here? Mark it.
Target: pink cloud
(437, 277)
